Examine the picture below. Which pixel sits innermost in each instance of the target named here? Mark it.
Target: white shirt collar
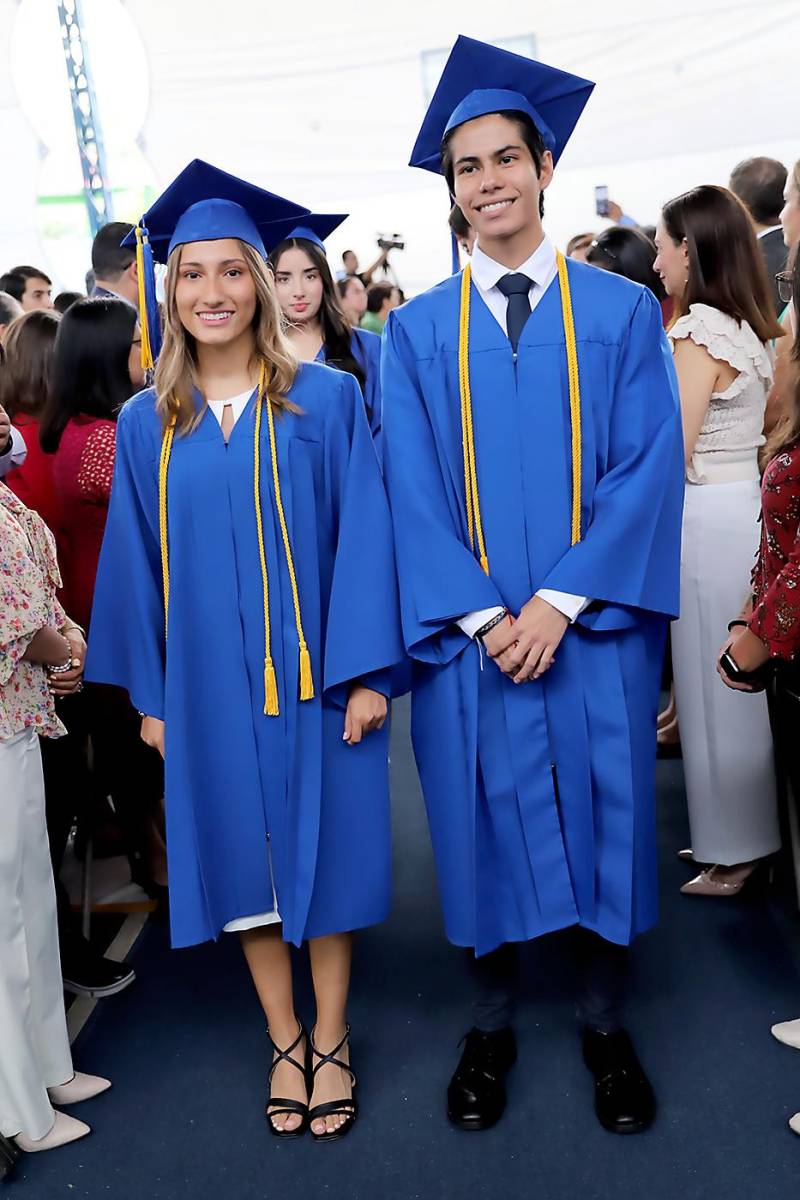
(763, 232)
(539, 267)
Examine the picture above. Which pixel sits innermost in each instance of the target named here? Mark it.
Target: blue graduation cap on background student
(314, 227)
(202, 204)
(479, 79)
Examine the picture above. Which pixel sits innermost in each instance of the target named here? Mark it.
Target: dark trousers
(602, 989)
(122, 766)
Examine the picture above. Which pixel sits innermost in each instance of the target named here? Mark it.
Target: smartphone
(601, 200)
(735, 673)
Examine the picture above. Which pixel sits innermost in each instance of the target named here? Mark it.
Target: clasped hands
(524, 647)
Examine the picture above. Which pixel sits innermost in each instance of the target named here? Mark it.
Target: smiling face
(495, 180)
(790, 214)
(672, 262)
(299, 286)
(215, 294)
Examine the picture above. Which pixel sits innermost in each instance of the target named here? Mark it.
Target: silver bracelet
(62, 670)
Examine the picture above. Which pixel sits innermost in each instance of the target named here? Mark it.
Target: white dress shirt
(542, 269)
(16, 453)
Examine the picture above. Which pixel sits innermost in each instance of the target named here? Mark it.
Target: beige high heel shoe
(65, 1129)
(81, 1087)
(712, 881)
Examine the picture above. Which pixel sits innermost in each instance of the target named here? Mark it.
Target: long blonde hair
(176, 370)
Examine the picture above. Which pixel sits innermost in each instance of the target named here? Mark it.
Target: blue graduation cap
(479, 79)
(314, 227)
(203, 204)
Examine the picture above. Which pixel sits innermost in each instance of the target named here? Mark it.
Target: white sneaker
(65, 1129)
(80, 1087)
(794, 1123)
(788, 1032)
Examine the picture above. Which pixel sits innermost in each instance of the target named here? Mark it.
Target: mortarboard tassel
(149, 316)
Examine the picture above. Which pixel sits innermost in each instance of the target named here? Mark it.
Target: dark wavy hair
(25, 380)
(629, 252)
(726, 269)
(90, 366)
(337, 334)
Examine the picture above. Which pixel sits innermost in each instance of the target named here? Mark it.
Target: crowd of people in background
(723, 265)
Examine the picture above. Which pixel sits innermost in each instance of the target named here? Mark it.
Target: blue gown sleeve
(367, 348)
(629, 557)
(440, 579)
(126, 634)
(363, 638)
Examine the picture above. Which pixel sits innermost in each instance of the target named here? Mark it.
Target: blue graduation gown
(235, 777)
(540, 796)
(366, 349)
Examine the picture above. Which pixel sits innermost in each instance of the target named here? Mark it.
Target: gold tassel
(146, 353)
(271, 708)
(306, 678)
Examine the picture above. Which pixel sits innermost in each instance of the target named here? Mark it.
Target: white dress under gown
(725, 735)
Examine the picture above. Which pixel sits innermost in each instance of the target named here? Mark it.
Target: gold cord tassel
(574, 395)
(474, 522)
(163, 469)
(306, 678)
(271, 703)
(271, 707)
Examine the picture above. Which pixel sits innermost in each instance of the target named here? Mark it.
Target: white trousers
(34, 1046)
(725, 735)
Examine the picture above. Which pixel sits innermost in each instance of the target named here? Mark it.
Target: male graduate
(534, 464)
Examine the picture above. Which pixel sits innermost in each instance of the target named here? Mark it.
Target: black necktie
(516, 288)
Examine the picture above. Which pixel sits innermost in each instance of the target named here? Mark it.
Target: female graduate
(248, 540)
(314, 320)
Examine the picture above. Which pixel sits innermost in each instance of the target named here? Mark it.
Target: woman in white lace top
(709, 262)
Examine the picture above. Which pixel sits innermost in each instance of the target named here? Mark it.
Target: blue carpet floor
(186, 1050)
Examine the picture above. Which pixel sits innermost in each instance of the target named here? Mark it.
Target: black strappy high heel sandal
(280, 1106)
(347, 1108)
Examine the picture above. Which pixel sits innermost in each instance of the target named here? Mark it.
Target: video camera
(394, 241)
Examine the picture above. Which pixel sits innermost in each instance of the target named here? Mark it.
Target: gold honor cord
(271, 706)
(474, 523)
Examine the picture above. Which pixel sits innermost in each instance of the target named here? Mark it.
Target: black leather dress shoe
(623, 1098)
(476, 1097)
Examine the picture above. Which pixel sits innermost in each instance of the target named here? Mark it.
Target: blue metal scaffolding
(88, 130)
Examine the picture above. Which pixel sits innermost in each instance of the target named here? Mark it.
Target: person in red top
(769, 625)
(768, 628)
(24, 389)
(96, 368)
